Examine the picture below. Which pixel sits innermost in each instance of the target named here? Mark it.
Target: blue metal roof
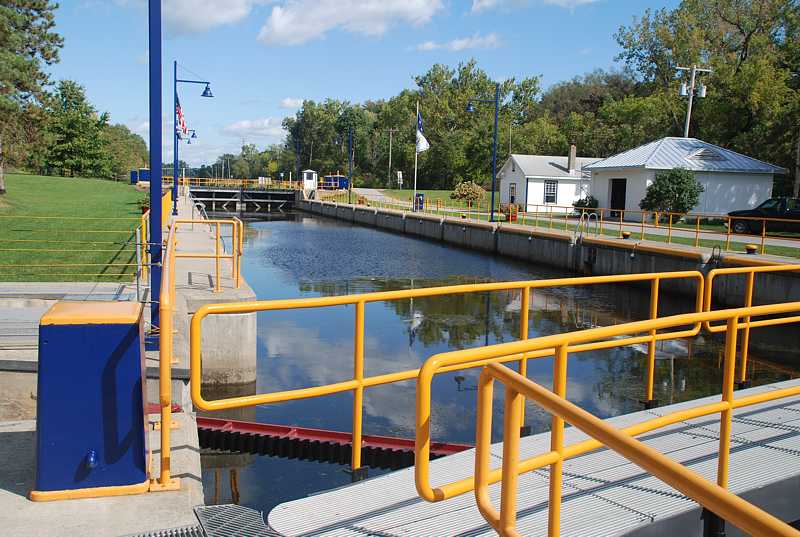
(690, 153)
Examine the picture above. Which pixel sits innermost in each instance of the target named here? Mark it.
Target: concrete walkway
(96, 517)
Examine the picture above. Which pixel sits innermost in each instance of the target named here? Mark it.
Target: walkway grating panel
(604, 494)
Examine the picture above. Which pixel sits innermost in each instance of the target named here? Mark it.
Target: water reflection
(312, 256)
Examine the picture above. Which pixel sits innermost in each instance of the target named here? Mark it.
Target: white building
(535, 181)
(731, 180)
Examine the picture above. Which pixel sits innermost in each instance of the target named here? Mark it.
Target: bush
(673, 191)
(468, 191)
(589, 202)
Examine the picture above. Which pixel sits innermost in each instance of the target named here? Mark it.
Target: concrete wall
(595, 256)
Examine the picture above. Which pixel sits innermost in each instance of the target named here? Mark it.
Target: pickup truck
(787, 209)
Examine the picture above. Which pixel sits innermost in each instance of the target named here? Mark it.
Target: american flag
(181, 120)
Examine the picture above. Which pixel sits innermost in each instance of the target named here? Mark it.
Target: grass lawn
(87, 233)
(432, 195)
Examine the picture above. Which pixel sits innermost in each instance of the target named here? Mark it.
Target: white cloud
(480, 5)
(291, 103)
(297, 21)
(195, 16)
(569, 4)
(268, 127)
(484, 5)
(477, 41)
(182, 17)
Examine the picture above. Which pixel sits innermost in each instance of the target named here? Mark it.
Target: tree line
(46, 129)
(752, 104)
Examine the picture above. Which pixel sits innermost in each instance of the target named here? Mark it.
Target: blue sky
(264, 56)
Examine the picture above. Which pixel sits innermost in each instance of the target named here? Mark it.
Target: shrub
(673, 191)
(589, 202)
(468, 191)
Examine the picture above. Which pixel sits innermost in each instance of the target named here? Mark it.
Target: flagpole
(416, 156)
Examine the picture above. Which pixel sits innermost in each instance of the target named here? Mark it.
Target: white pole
(416, 156)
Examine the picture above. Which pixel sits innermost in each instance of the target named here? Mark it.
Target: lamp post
(470, 109)
(690, 91)
(176, 133)
(154, 68)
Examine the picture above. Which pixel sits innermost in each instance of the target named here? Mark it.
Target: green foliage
(127, 151)
(468, 191)
(672, 191)
(589, 202)
(27, 44)
(74, 142)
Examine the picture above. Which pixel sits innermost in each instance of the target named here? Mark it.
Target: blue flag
(422, 142)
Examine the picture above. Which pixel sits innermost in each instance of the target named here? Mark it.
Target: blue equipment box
(90, 423)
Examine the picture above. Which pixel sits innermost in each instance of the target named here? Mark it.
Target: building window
(512, 193)
(550, 191)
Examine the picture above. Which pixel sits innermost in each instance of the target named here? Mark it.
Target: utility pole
(391, 134)
(350, 165)
(690, 92)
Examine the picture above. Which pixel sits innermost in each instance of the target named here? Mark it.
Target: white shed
(731, 180)
(309, 180)
(537, 181)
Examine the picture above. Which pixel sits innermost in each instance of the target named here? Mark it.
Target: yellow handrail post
(748, 301)
(358, 392)
(763, 235)
(508, 497)
(697, 232)
(669, 230)
(727, 396)
(644, 215)
(483, 452)
(557, 443)
(524, 306)
(621, 216)
(728, 238)
(218, 286)
(651, 345)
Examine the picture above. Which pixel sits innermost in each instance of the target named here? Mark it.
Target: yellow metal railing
(749, 274)
(695, 229)
(238, 183)
(359, 382)
(166, 309)
(237, 232)
(47, 247)
(714, 497)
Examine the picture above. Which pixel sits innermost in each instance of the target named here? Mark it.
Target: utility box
(91, 438)
(419, 202)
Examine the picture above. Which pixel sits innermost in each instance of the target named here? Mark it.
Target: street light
(470, 109)
(690, 91)
(176, 134)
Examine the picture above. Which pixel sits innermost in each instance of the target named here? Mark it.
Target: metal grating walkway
(604, 494)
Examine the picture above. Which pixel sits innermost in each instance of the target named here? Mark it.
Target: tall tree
(27, 43)
(75, 145)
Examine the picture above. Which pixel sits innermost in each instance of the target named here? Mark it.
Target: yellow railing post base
(172, 484)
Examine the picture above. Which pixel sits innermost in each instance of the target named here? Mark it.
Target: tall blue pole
(175, 137)
(494, 147)
(154, 18)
